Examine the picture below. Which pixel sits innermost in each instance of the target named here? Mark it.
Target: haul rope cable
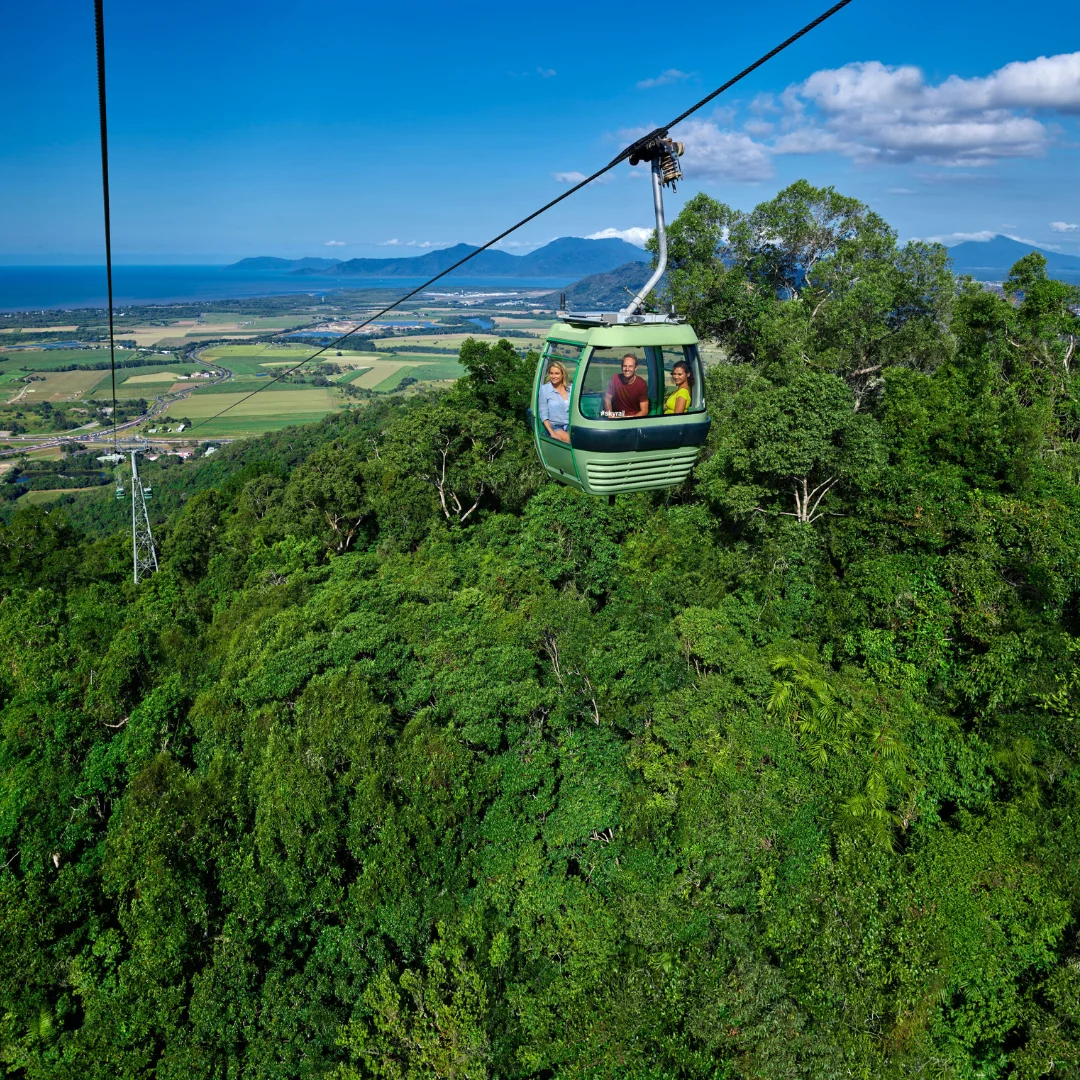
(99, 26)
(637, 144)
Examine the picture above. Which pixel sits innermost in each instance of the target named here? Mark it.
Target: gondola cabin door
(552, 437)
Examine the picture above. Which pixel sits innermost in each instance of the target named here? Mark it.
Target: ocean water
(28, 288)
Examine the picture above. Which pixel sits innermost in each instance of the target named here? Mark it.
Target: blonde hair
(562, 367)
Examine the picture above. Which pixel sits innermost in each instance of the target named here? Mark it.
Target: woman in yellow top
(679, 402)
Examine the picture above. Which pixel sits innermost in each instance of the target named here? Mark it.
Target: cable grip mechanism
(665, 154)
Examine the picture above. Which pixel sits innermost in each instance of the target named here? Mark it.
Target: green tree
(784, 241)
(787, 447)
(324, 497)
(1047, 323)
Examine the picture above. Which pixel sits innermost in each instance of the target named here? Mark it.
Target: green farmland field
(251, 322)
(253, 359)
(422, 372)
(264, 412)
(392, 381)
(429, 370)
(143, 381)
(12, 364)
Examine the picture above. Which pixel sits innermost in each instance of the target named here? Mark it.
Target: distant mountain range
(991, 260)
(609, 265)
(569, 256)
(268, 262)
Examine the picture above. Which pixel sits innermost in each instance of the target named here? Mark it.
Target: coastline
(64, 288)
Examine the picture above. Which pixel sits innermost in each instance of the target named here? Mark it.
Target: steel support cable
(99, 26)
(656, 132)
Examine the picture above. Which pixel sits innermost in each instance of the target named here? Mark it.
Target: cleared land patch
(60, 385)
(153, 376)
(538, 327)
(145, 338)
(194, 335)
(136, 384)
(450, 339)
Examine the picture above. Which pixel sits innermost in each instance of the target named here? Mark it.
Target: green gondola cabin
(612, 450)
(618, 399)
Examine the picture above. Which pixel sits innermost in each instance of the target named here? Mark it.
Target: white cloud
(665, 78)
(871, 112)
(1049, 82)
(527, 244)
(569, 177)
(546, 73)
(901, 191)
(950, 239)
(334, 243)
(730, 155)
(634, 235)
(1063, 226)
(395, 242)
(1033, 243)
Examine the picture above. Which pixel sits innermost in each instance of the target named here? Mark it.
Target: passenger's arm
(680, 405)
(643, 407)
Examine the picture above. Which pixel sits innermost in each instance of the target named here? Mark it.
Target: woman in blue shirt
(553, 402)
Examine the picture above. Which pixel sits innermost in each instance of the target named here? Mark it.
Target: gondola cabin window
(567, 355)
(686, 386)
(553, 390)
(617, 384)
(641, 382)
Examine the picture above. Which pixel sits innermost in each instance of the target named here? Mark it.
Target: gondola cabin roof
(623, 335)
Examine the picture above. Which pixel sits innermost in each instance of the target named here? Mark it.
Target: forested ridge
(410, 763)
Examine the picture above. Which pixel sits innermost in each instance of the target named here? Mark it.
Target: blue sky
(344, 129)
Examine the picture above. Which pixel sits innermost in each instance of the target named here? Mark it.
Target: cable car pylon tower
(142, 539)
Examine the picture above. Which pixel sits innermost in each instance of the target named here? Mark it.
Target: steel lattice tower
(142, 539)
